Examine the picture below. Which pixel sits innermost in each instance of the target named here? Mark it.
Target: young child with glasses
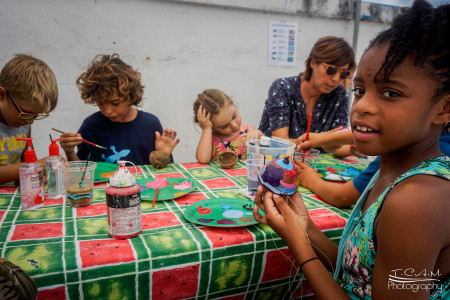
(126, 132)
(28, 92)
(317, 90)
(222, 127)
(396, 243)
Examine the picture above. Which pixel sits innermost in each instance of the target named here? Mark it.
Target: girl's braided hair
(422, 31)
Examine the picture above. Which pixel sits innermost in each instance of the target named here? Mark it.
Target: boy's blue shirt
(132, 141)
(362, 179)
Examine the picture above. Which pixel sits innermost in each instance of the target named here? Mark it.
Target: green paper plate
(340, 173)
(165, 193)
(104, 170)
(222, 212)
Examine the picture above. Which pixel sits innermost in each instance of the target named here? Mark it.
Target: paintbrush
(87, 142)
(307, 135)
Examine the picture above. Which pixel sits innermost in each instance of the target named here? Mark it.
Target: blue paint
(33, 263)
(225, 206)
(116, 156)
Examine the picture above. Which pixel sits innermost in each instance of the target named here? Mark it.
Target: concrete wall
(180, 48)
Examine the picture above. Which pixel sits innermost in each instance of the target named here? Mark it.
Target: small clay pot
(227, 160)
(159, 159)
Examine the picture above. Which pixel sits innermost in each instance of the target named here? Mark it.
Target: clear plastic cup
(79, 178)
(309, 157)
(253, 168)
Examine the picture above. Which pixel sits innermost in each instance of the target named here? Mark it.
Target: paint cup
(79, 194)
(309, 157)
(253, 168)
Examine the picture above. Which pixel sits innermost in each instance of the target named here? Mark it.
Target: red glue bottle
(31, 178)
(123, 201)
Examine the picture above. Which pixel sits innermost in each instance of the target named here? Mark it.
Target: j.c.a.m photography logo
(411, 279)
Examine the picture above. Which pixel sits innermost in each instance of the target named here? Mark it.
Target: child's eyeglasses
(24, 115)
(331, 70)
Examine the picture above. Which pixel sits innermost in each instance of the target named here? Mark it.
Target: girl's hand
(307, 174)
(204, 118)
(287, 217)
(254, 133)
(321, 139)
(167, 141)
(69, 141)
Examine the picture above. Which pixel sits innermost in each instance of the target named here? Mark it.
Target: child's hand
(307, 175)
(167, 141)
(204, 118)
(287, 217)
(254, 134)
(321, 139)
(69, 141)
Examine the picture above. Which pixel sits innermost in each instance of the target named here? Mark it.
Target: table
(69, 254)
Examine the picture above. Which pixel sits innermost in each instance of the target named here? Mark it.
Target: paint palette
(336, 172)
(168, 188)
(104, 170)
(222, 212)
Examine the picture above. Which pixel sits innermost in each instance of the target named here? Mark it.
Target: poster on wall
(282, 43)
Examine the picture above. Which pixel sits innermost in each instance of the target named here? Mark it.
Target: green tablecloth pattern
(69, 254)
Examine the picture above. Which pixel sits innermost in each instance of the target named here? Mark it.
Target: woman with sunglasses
(317, 91)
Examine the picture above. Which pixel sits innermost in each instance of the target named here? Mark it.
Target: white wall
(179, 48)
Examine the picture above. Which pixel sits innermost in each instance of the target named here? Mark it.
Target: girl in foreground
(399, 231)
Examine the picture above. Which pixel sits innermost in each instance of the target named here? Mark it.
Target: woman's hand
(167, 141)
(204, 118)
(287, 216)
(69, 141)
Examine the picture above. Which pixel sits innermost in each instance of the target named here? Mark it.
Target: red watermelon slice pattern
(236, 172)
(58, 293)
(174, 175)
(103, 252)
(190, 198)
(178, 283)
(221, 237)
(37, 231)
(194, 165)
(92, 210)
(158, 220)
(218, 183)
(326, 219)
(278, 265)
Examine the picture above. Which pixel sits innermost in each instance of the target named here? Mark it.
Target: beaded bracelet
(313, 258)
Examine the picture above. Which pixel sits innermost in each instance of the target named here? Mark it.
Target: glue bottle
(54, 167)
(31, 178)
(123, 201)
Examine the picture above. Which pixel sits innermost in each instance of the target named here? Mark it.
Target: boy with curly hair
(127, 133)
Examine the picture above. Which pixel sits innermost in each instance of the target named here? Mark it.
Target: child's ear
(443, 115)
(2, 93)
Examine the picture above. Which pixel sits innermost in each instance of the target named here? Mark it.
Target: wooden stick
(90, 143)
(156, 195)
(307, 135)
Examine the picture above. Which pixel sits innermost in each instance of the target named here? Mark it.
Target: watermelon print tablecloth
(70, 255)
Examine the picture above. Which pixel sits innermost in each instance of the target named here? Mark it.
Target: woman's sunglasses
(24, 115)
(331, 70)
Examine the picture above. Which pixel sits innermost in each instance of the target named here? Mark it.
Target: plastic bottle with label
(54, 168)
(123, 201)
(31, 178)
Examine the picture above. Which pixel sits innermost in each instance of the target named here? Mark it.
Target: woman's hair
(331, 50)
(422, 32)
(106, 73)
(31, 80)
(212, 100)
